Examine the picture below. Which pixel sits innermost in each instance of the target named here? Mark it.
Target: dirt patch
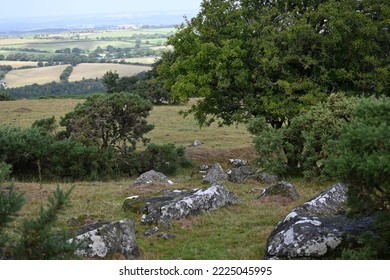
(201, 155)
(22, 110)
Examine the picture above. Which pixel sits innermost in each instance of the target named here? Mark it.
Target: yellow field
(97, 70)
(17, 64)
(42, 75)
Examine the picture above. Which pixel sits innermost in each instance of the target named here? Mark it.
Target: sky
(51, 8)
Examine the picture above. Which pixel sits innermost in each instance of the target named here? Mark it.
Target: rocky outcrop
(177, 204)
(153, 177)
(281, 188)
(316, 229)
(214, 174)
(108, 240)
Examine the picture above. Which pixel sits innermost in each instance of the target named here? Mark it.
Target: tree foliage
(114, 121)
(272, 59)
(143, 84)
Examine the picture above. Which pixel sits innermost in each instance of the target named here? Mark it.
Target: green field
(88, 40)
(234, 232)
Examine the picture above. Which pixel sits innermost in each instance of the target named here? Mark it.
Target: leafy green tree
(114, 121)
(272, 59)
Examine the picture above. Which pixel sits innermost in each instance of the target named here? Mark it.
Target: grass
(237, 232)
(23, 113)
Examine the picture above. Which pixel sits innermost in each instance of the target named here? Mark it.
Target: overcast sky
(43, 8)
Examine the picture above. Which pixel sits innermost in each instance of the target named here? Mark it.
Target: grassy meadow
(236, 232)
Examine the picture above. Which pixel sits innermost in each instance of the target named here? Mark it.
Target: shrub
(163, 158)
(35, 153)
(300, 147)
(360, 158)
(6, 96)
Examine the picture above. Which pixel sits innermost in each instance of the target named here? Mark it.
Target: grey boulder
(177, 204)
(281, 188)
(316, 229)
(214, 174)
(108, 240)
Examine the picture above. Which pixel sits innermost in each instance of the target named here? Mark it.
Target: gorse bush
(33, 153)
(300, 146)
(164, 158)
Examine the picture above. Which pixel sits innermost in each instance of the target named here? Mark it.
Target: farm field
(45, 45)
(41, 75)
(233, 232)
(97, 70)
(18, 64)
(48, 74)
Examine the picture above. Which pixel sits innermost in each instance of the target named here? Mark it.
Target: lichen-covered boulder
(214, 174)
(316, 229)
(266, 178)
(153, 177)
(108, 240)
(239, 174)
(281, 188)
(161, 209)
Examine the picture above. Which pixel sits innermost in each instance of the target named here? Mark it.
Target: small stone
(196, 143)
